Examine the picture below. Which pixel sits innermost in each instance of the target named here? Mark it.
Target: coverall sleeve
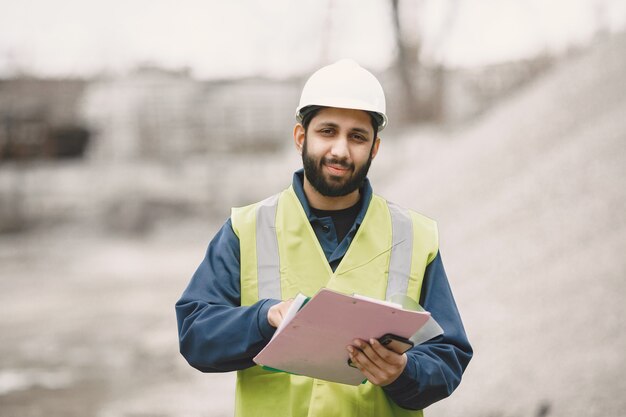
(217, 334)
(434, 368)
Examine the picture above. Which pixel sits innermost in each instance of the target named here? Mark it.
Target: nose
(339, 148)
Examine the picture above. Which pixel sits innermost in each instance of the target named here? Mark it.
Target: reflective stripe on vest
(268, 258)
(401, 250)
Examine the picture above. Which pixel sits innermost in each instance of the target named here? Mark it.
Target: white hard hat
(347, 85)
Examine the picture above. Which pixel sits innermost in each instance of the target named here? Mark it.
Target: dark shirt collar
(298, 186)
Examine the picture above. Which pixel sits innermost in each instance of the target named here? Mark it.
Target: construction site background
(111, 188)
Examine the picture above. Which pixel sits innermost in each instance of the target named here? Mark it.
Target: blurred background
(129, 129)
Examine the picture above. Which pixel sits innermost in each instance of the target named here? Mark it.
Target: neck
(322, 202)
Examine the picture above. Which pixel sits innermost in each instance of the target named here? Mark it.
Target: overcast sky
(217, 38)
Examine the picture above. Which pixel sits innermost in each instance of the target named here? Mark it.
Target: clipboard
(313, 342)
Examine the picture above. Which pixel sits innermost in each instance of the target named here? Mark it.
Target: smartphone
(396, 343)
(393, 342)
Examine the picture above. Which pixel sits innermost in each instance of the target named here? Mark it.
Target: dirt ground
(89, 329)
(530, 201)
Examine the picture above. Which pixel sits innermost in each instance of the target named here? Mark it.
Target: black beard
(313, 172)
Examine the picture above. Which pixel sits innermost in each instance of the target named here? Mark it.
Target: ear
(375, 147)
(298, 137)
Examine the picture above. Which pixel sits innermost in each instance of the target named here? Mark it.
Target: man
(327, 230)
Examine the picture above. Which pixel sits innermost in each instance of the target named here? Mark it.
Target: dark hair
(309, 112)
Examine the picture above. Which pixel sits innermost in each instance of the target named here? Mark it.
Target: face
(337, 150)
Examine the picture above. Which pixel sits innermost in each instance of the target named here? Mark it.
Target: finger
(284, 306)
(387, 355)
(276, 313)
(371, 354)
(361, 358)
(380, 369)
(274, 317)
(369, 370)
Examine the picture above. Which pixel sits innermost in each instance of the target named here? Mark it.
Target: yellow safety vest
(281, 256)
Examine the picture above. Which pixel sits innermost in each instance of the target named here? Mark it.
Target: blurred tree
(422, 83)
(405, 67)
(439, 76)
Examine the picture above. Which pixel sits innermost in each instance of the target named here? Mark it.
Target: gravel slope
(531, 203)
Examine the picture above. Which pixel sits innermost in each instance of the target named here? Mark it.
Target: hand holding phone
(392, 342)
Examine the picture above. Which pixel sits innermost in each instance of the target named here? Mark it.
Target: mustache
(340, 162)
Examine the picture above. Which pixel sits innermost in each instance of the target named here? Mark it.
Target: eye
(359, 137)
(327, 131)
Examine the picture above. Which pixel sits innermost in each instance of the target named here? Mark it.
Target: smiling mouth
(337, 169)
